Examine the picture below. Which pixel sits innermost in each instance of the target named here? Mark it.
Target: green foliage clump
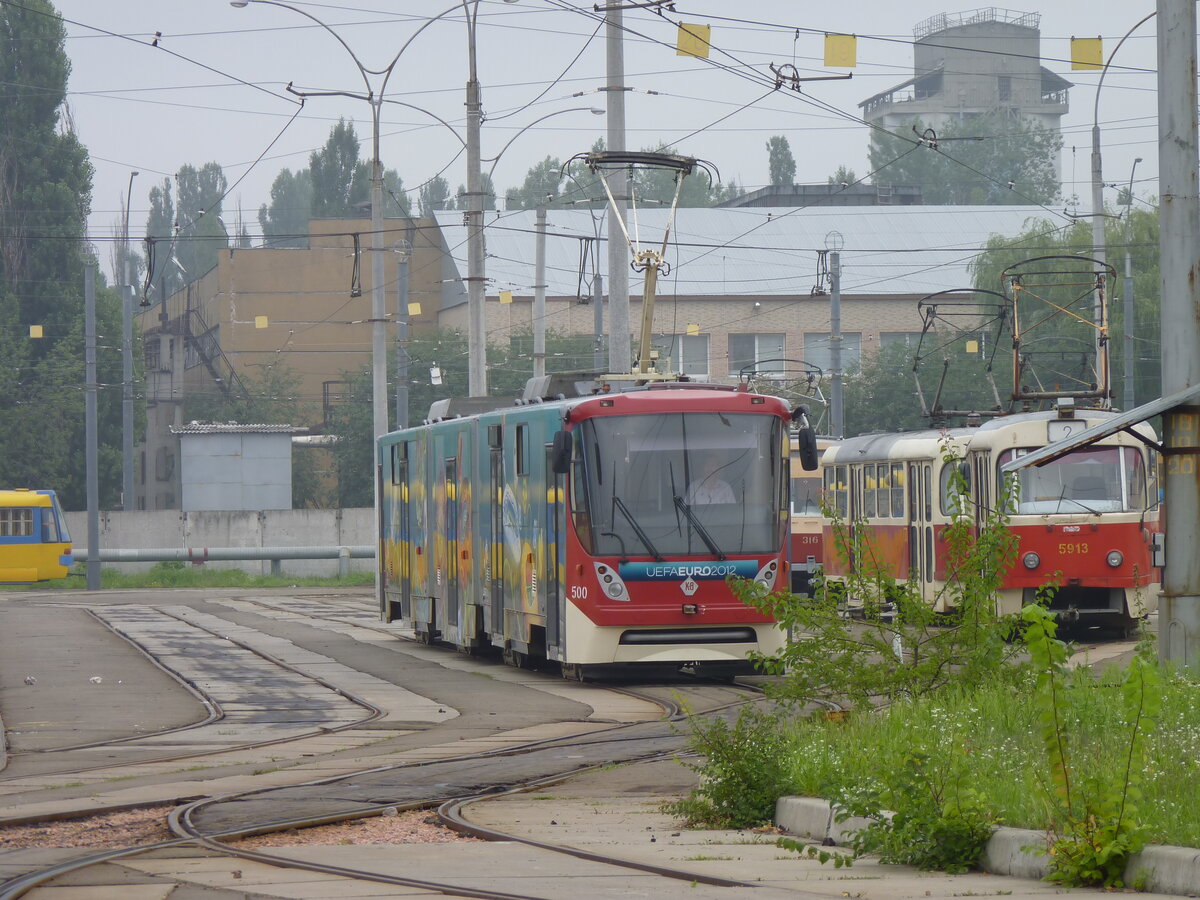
(1095, 827)
(868, 638)
(743, 772)
(927, 815)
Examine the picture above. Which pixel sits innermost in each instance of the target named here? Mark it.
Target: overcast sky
(214, 87)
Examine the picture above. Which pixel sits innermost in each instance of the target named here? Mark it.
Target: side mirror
(806, 445)
(560, 453)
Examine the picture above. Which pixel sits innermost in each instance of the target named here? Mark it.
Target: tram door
(920, 526)
(982, 488)
(496, 517)
(451, 520)
(403, 530)
(552, 575)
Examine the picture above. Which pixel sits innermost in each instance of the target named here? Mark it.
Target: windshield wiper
(700, 530)
(1063, 497)
(637, 529)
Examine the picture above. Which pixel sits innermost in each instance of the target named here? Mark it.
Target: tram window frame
(869, 487)
(522, 449)
(927, 492)
(954, 503)
(836, 490)
(399, 456)
(897, 490)
(883, 495)
(16, 521)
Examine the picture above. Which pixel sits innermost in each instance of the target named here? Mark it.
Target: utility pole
(836, 405)
(127, 486)
(402, 358)
(619, 360)
(1179, 250)
(1127, 307)
(90, 429)
(476, 295)
(539, 295)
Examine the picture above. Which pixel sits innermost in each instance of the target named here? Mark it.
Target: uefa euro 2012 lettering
(649, 571)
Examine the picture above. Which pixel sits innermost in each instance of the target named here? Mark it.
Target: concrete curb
(1009, 851)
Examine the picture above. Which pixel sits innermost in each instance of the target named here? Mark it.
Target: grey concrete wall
(172, 528)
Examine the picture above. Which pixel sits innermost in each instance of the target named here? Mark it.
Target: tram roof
(747, 251)
(877, 446)
(1120, 422)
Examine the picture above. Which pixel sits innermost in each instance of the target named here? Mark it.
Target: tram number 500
(578, 592)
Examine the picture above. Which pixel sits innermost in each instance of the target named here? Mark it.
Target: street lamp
(1098, 247)
(127, 361)
(374, 97)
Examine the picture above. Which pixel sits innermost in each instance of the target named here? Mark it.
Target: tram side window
(1135, 479)
(16, 522)
(578, 495)
(870, 487)
(897, 480)
(522, 450)
(399, 455)
(883, 498)
(836, 489)
(955, 492)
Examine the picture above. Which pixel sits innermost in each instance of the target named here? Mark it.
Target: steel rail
(374, 712)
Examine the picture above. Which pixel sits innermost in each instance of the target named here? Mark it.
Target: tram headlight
(1031, 560)
(767, 574)
(611, 582)
(1115, 558)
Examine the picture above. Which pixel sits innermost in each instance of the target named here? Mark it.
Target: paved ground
(614, 811)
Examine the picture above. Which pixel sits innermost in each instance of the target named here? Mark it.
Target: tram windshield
(680, 484)
(1092, 479)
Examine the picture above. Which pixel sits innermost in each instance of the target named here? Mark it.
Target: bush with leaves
(1095, 827)
(926, 816)
(895, 646)
(744, 770)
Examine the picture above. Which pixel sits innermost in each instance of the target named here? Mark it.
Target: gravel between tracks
(131, 828)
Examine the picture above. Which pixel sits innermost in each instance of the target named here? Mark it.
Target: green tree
(164, 276)
(882, 395)
(433, 196)
(331, 170)
(658, 185)
(285, 221)
(45, 197)
(1137, 233)
(781, 165)
(843, 175)
(201, 235)
(543, 185)
(993, 158)
(489, 194)
(335, 183)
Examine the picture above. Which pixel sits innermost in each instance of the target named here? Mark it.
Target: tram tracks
(288, 702)
(448, 784)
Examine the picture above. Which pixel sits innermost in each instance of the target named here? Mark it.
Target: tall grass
(992, 733)
(184, 575)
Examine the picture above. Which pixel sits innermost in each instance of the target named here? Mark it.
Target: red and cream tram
(1085, 521)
